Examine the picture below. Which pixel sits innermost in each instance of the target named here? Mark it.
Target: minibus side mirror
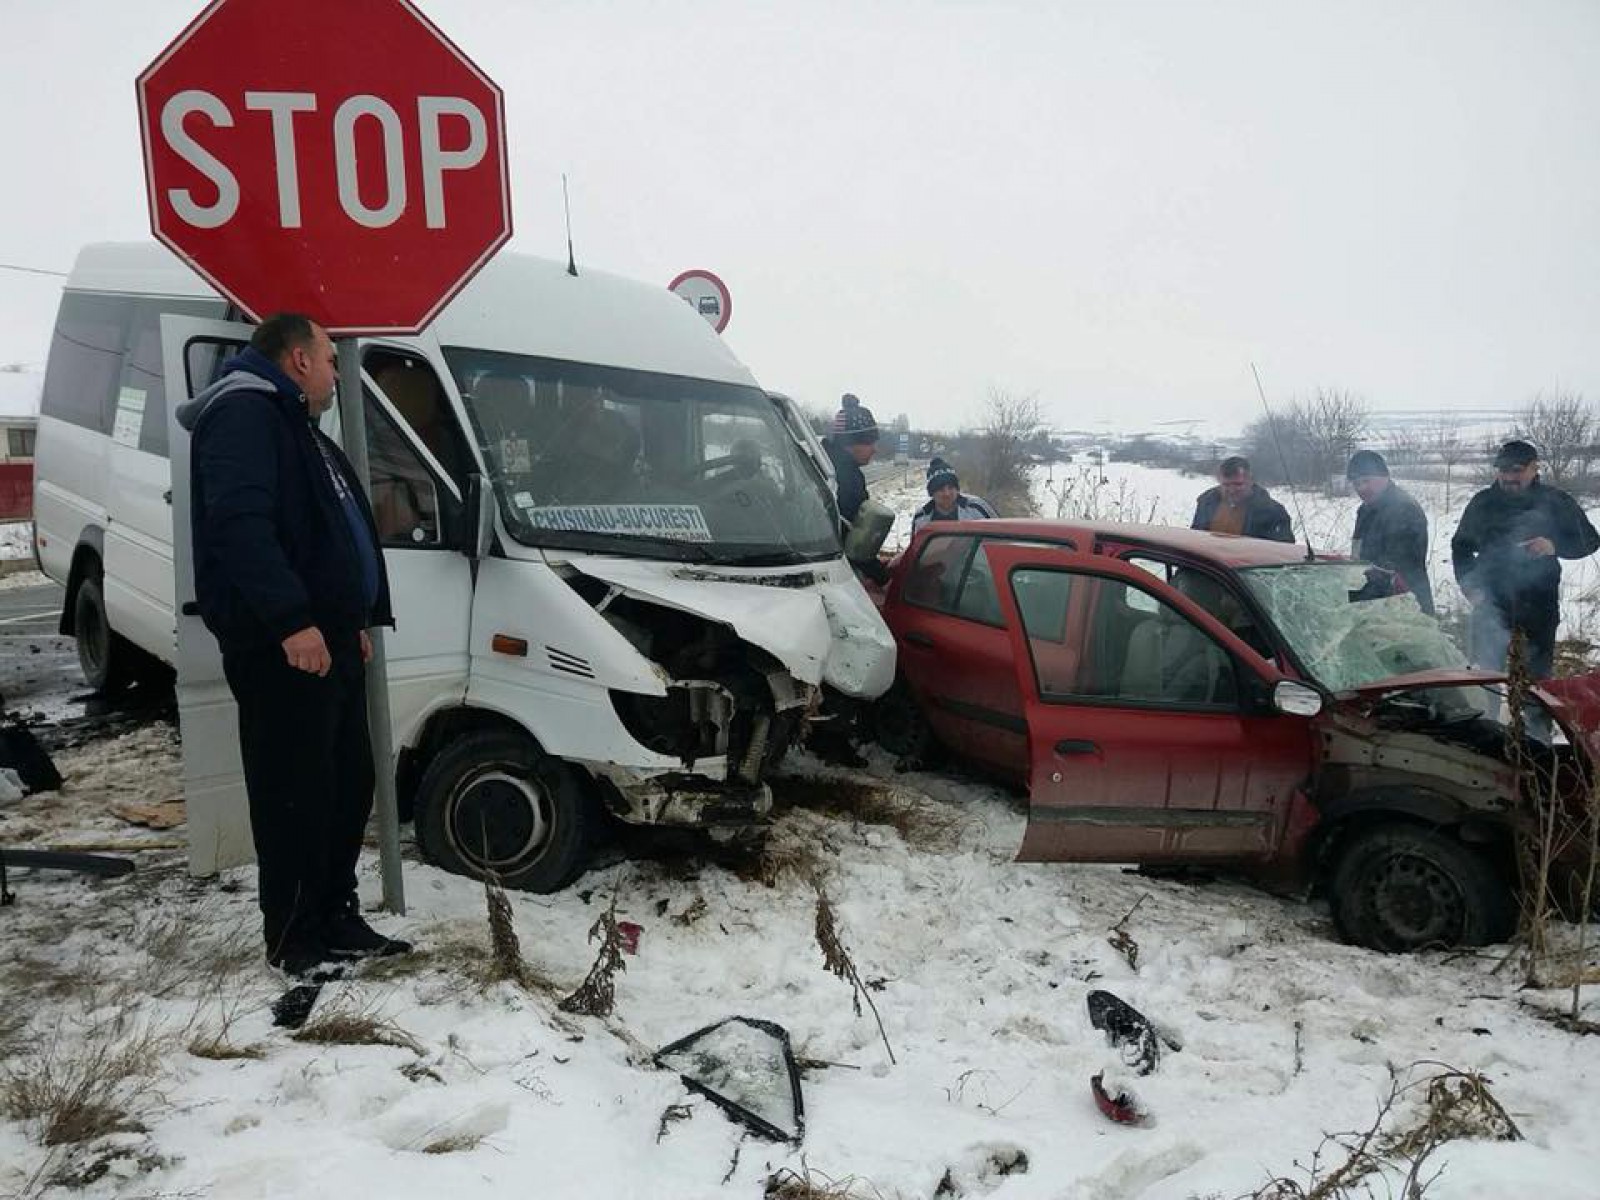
(480, 512)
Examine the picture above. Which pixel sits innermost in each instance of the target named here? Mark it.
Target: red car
(1169, 696)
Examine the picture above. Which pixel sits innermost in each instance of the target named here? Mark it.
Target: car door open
(1151, 734)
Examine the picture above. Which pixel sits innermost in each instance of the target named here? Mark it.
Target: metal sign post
(353, 432)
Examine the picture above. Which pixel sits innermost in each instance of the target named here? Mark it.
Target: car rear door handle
(919, 639)
(1073, 746)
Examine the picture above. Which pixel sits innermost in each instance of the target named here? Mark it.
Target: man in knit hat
(946, 500)
(1391, 528)
(850, 446)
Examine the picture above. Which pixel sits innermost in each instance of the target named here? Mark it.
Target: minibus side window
(80, 380)
(141, 400)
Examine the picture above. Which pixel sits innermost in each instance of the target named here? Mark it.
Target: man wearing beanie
(1507, 553)
(1391, 528)
(946, 500)
(851, 445)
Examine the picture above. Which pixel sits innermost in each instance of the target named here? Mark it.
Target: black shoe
(311, 961)
(347, 936)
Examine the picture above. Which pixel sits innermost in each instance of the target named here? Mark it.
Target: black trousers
(308, 772)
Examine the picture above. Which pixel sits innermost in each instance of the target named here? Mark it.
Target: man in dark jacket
(1507, 553)
(1238, 505)
(850, 446)
(1391, 528)
(289, 576)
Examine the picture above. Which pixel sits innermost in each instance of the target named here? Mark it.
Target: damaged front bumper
(726, 808)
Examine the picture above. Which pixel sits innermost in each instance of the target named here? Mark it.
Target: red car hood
(1576, 702)
(1438, 677)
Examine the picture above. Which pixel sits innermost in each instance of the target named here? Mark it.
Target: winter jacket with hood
(275, 548)
(1264, 517)
(1490, 558)
(1392, 532)
(968, 508)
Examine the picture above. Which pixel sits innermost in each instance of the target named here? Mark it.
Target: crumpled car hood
(1575, 702)
(824, 631)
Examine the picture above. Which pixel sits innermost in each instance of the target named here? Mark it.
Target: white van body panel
(585, 672)
(71, 468)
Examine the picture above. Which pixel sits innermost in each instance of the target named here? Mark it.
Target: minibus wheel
(493, 805)
(104, 656)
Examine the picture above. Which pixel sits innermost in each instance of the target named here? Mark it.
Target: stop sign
(344, 160)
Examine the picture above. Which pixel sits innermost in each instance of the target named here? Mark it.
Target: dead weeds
(76, 1088)
(922, 823)
(352, 1022)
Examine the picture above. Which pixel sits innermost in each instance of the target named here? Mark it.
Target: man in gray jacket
(946, 500)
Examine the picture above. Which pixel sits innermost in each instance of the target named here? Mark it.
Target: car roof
(1226, 549)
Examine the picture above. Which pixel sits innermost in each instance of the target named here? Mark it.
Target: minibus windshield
(605, 459)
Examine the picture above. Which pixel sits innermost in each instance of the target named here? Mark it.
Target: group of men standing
(1506, 550)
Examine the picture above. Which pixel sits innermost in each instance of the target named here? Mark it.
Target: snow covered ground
(979, 968)
(16, 539)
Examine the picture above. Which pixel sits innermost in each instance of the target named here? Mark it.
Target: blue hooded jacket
(277, 546)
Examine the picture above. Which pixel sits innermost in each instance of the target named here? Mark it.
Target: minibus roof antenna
(572, 262)
(1283, 461)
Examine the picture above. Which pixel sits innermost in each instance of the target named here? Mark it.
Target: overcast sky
(1117, 206)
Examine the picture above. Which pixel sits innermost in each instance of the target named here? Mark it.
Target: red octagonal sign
(344, 160)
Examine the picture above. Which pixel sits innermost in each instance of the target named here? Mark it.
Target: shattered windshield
(587, 457)
(1344, 642)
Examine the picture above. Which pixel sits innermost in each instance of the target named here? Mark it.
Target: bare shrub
(999, 469)
(836, 958)
(1307, 441)
(597, 994)
(1454, 1105)
(1563, 427)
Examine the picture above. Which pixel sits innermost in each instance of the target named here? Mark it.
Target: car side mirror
(1296, 699)
(480, 512)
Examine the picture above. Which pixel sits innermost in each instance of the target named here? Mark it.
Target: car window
(977, 599)
(935, 577)
(1128, 653)
(414, 390)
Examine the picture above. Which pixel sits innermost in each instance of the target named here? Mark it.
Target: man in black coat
(850, 446)
(1507, 553)
(1391, 528)
(289, 576)
(1239, 505)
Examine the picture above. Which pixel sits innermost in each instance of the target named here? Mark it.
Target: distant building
(19, 419)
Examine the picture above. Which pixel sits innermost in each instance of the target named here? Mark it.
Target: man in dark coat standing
(1238, 505)
(1507, 553)
(289, 576)
(850, 446)
(1391, 528)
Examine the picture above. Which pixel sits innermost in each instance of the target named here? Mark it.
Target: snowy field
(978, 967)
(16, 539)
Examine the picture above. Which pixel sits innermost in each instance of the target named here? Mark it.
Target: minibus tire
(104, 656)
(493, 805)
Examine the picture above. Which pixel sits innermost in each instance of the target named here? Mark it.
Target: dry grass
(76, 1088)
(454, 1143)
(809, 1184)
(349, 1022)
(597, 994)
(217, 1047)
(921, 823)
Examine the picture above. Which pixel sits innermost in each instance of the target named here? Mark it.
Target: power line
(5, 266)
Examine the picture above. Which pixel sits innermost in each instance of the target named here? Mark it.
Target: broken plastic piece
(1123, 1107)
(745, 1067)
(1129, 1030)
